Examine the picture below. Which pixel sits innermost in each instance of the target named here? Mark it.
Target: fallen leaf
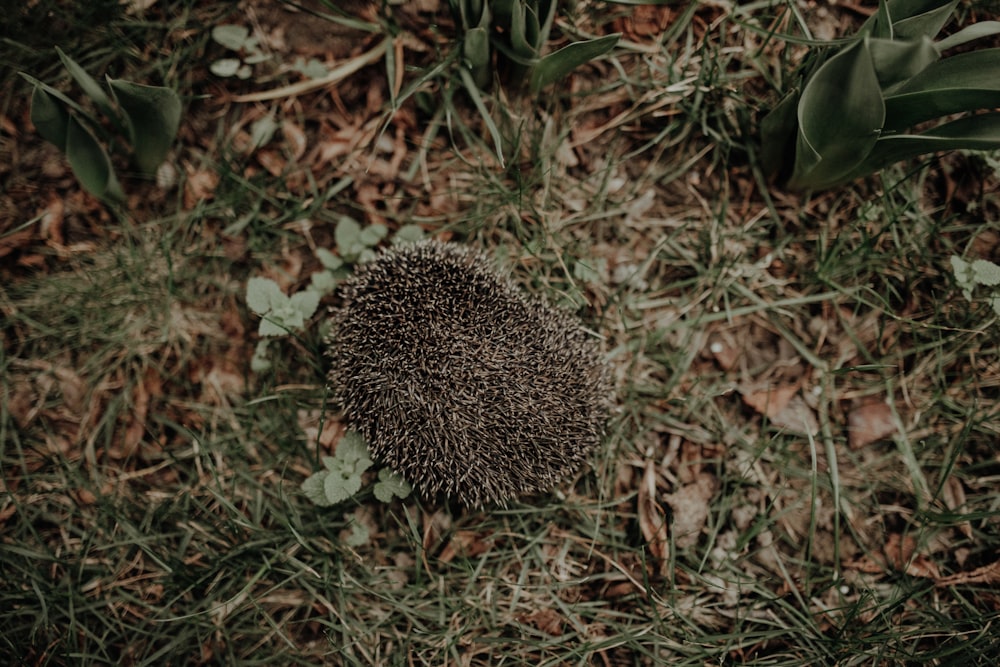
(689, 507)
(987, 574)
(465, 543)
(652, 519)
(771, 400)
(869, 423)
(545, 620)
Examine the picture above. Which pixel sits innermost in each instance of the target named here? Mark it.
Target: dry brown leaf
(689, 506)
(954, 500)
(869, 423)
(770, 400)
(898, 555)
(295, 139)
(797, 416)
(199, 186)
(545, 620)
(466, 543)
(987, 574)
(652, 520)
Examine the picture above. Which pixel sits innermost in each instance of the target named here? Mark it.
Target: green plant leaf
(960, 83)
(556, 66)
(225, 67)
(373, 234)
(264, 295)
(90, 87)
(304, 303)
(352, 451)
(896, 60)
(408, 234)
(90, 163)
(314, 488)
(968, 34)
(840, 116)
(152, 115)
(346, 235)
(338, 486)
(50, 117)
(390, 485)
(979, 132)
(778, 132)
(232, 37)
(985, 272)
(915, 18)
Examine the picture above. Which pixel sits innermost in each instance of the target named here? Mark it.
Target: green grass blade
(90, 86)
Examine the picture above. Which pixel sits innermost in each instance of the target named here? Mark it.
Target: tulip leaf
(153, 114)
(556, 66)
(90, 162)
(840, 115)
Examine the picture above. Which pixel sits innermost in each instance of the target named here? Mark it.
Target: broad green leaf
(346, 234)
(372, 234)
(558, 65)
(476, 49)
(314, 488)
(915, 18)
(352, 451)
(968, 34)
(979, 132)
(840, 116)
(339, 486)
(225, 67)
(985, 272)
(305, 304)
(897, 60)
(408, 234)
(328, 259)
(90, 163)
(264, 295)
(233, 37)
(778, 131)
(964, 82)
(390, 485)
(152, 114)
(90, 86)
(49, 117)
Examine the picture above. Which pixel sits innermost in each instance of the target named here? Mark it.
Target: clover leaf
(342, 477)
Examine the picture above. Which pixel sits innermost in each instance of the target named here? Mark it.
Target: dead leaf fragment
(869, 423)
(987, 574)
(690, 508)
(652, 519)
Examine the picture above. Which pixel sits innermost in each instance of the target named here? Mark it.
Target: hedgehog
(460, 382)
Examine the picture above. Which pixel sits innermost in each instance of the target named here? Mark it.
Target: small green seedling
(142, 123)
(342, 477)
(356, 244)
(280, 314)
(867, 106)
(237, 38)
(978, 273)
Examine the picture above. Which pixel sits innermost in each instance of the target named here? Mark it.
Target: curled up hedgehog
(460, 382)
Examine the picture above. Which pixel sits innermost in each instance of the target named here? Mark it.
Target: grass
(151, 513)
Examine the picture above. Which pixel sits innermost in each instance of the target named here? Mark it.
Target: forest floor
(802, 464)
